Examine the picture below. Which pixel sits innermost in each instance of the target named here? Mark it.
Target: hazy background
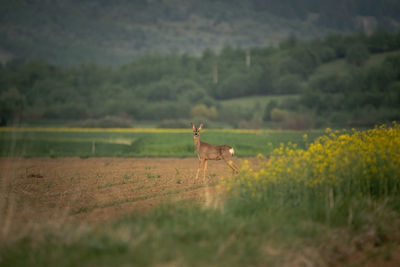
(242, 64)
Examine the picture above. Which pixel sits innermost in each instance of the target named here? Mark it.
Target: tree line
(181, 86)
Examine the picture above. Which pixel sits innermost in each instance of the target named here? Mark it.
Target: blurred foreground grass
(137, 142)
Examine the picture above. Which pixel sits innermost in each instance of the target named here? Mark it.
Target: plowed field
(39, 190)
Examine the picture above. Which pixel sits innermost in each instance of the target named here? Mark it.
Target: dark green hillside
(113, 32)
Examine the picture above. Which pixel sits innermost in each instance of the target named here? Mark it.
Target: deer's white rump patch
(231, 151)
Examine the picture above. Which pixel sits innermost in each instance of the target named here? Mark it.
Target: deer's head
(196, 131)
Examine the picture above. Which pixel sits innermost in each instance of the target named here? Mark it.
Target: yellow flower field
(340, 163)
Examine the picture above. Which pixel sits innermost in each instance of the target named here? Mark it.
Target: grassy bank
(187, 234)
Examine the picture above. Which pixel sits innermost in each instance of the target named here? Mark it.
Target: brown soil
(39, 190)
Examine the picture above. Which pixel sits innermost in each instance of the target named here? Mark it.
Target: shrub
(297, 122)
(268, 108)
(12, 103)
(202, 111)
(279, 115)
(357, 54)
(289, 84)
(164, 110)
(234, 114)
(66, 111)
(329, 83)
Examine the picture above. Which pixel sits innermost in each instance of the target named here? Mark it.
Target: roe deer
(210, 152)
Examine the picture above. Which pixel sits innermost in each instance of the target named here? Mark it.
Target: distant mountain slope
(112, 32)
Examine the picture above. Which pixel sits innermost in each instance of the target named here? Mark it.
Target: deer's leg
(198, 169)
(205, 169)
(234, 166)
(236, 169)
(231, 164)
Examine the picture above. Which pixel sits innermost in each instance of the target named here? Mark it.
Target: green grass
(377, 59)
(120, 144)
(340, 66)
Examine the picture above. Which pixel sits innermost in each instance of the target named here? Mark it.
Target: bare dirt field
(39, 190)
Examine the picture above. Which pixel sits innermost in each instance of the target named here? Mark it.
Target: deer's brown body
(207, 151)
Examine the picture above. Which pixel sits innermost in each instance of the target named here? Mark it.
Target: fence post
(93, 147)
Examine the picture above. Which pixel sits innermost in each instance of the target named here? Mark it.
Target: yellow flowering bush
(340, 164)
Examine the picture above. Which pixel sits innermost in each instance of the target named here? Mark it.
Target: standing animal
(207, 151)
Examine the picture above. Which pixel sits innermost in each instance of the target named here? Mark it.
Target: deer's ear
(201, 126)
(191, 124)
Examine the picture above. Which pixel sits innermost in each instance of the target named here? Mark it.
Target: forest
(340, 80)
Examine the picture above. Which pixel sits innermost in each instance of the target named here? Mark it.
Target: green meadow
(144, 143)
